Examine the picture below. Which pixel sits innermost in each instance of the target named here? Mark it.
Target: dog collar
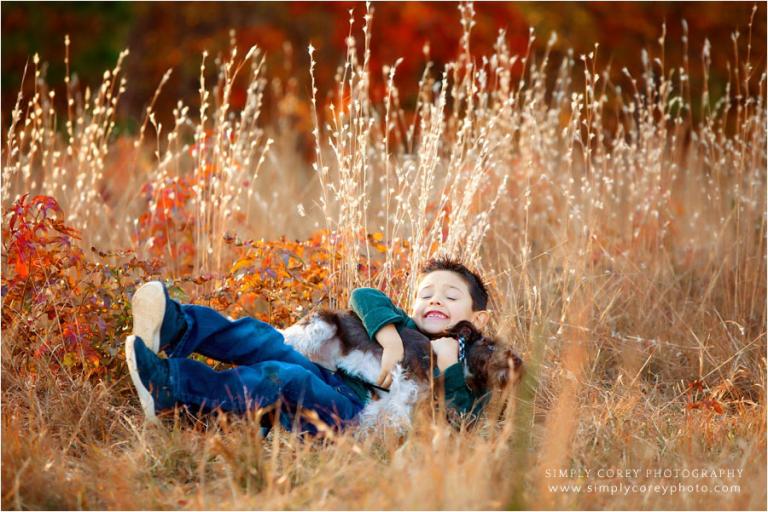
(462, 349)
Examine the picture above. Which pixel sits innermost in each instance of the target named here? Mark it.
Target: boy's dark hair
(477, 289)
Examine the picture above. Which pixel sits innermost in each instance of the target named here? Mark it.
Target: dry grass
(624, 241)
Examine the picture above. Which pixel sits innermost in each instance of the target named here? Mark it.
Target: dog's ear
(466, 330)
(517, 363)
(494, 364)
(506, 368)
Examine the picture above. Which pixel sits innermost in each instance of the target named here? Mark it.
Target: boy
(268, 370)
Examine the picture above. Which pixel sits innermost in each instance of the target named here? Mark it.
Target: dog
(338, 340)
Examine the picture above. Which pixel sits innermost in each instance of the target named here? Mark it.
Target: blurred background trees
(162, 35)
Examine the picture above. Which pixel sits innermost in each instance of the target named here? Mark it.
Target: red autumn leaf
(47, 202)
(21, 269)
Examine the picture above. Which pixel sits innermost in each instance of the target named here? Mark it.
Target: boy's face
(442, 301)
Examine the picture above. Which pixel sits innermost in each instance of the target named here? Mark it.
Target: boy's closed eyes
(442, 301)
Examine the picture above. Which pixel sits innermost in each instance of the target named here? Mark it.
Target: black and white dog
(338, 340)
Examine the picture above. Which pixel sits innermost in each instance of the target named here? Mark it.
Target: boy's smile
(442, 301)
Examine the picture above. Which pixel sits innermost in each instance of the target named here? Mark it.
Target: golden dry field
(621, 226)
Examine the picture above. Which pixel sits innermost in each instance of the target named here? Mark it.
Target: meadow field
(620, 224)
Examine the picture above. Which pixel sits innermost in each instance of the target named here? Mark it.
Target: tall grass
(624, 241)
(39, 159)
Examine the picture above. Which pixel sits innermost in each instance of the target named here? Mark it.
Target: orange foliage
(75, 309)
(168, 224)
(280, 281)
(70, 309)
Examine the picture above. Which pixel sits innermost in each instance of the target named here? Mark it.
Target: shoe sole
(148, 309)
(145, 397)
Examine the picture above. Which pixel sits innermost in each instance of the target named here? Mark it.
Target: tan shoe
(148, 304)
(150, 376)
(145, 397)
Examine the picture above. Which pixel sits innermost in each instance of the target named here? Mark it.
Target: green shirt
(376, 310)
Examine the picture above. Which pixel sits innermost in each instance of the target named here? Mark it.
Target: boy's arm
(392, 354)
(460, 401)
(380, 316)
(376, 310)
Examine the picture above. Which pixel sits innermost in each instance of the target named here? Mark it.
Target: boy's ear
(480, 318)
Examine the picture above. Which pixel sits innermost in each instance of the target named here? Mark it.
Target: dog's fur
(339, 340)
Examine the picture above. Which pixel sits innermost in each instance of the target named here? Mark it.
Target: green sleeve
(460, 401)
(376, 310)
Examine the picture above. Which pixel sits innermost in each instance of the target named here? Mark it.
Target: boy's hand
(392, 343)
(447, 352)
(390, 356)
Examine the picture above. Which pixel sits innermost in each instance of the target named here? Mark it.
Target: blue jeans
(267, 369)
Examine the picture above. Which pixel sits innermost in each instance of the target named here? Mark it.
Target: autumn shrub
(280, 281)
(70, 307)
